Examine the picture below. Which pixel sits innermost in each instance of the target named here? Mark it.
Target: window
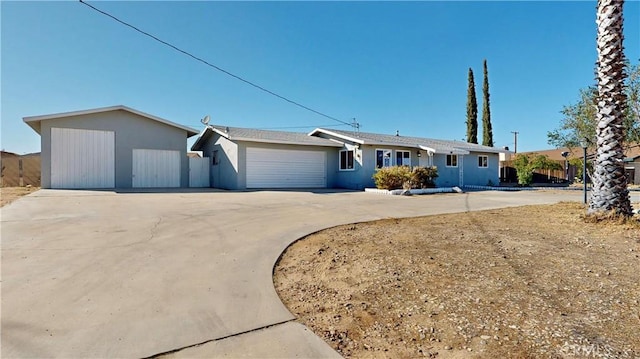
(214, 158)
(452, 160)
(403, 158)
(383, 158)
(346, 160)
(483, 161)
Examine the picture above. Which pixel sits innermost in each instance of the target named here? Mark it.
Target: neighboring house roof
(427, 144)
(630, 151)
(265, 136)
(193, 155)
(34, 121)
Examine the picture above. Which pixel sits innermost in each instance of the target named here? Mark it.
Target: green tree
(578, 163)
(609, 191)
(472, 110)
(487, 131)
(579, 119)
(527, 164)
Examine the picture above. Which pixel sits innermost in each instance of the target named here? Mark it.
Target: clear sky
(391, 65)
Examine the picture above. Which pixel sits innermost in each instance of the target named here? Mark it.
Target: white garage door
(156, 168)
(269, 168)
(82, 158)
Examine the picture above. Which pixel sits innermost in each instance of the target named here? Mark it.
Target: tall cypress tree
(487, 132)
(472, 111)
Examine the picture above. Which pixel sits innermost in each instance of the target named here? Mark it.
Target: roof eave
(197, 146)
(30, 120)
(331, 133)
(284, 142)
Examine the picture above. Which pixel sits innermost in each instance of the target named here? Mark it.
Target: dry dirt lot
(10, 194)
(527, 282)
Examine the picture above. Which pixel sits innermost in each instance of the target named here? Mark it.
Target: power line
(292, 127)
(212, 65)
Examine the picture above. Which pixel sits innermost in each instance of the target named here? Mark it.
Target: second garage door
(156, 168)
(274, 168)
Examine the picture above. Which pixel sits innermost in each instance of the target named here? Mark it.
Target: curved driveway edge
(103, 274)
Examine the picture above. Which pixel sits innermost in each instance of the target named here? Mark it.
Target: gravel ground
(10, 194)
(525, 282)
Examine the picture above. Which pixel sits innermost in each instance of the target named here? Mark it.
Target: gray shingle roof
(268, 136)
(297, 138)
(440, 146)
(34, 121)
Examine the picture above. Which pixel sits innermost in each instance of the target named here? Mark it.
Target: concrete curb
(397, 192)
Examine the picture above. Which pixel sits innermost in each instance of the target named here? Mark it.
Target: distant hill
(10, 165)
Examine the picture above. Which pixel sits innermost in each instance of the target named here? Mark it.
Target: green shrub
(392, 177)
(397, 177)
(526, 164)
(424, 177)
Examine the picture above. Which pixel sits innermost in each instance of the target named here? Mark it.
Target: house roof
(631, 150)
(34, 121)
(265, 136)
(427, 144)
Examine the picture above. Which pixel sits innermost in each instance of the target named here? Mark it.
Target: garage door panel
(156, 168)
(82, 158)
(275, 168)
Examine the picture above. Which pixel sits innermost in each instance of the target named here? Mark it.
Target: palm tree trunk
(609, 191)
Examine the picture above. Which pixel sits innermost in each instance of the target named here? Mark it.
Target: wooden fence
(509, 174)
(19, 170)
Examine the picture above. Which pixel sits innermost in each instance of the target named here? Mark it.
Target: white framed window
(383, 158)
(452, 160)
(403, 158)
(346, 160)
(483, 161)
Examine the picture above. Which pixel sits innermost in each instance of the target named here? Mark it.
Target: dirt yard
(527, 282)
(10, 194)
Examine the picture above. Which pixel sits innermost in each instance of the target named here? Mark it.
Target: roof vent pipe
(397, 133)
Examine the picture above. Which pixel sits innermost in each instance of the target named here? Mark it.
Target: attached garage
(280, 168)
(111, 147)
(245, 158)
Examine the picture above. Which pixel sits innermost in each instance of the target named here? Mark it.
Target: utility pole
(515, 141)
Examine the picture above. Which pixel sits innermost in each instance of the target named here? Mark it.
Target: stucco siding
(131, 131)
(225, 170)
(447, 176)
(365, 165)
(481, 176)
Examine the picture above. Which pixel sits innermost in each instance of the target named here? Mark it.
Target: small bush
(392, 177)
(424, 177)
(403, 177)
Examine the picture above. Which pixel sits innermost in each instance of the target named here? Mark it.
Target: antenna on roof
(205, 120)
(356, 126)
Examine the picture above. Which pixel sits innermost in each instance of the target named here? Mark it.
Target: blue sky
(391, 65)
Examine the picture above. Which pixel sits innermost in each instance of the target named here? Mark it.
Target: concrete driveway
(103, 274)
